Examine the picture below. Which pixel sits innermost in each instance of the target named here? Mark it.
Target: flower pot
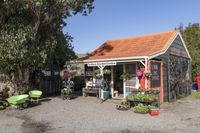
(139, 73)
(194, 87)
(198, 82)
(154, 112)
(122, 109)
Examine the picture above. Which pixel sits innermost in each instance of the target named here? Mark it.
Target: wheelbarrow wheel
(63, 96)
(68, 97)
(25, 104)
(4, 103)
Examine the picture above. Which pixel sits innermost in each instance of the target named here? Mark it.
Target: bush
(123, 106)
(141, 97)
(196, 94)
(66, 90)
(140, 108)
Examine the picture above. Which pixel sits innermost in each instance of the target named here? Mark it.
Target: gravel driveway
(85, 115)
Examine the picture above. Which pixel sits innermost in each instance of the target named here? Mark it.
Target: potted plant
(139, 73)
(125, 76)
(140, 108)
(153, 110)
(147, 74)
(194, 86)
(124, 105)
(130, 97)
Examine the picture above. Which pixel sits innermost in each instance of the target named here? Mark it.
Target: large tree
(31, 33)
(191, 35)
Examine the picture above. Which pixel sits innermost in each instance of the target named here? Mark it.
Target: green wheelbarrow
(35, 95)
(20, 101)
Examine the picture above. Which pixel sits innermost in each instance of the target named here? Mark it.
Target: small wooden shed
(164, 55)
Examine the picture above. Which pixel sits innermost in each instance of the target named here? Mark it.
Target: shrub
(140, 108)
(196, 95)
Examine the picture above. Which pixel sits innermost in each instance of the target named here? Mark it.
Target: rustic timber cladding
(178, 77)
(177, 48)
(176, 71)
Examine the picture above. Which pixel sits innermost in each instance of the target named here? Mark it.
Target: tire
(25, 105)
(68, 98)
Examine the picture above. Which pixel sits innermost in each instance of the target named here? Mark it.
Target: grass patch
(196, 95)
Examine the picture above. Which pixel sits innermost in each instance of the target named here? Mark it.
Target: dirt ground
(86, 115)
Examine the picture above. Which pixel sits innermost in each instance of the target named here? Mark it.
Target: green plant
(141, 97)
(2, 107)
(125, 76)
(147, 74)
(196, 95)
(66, 90)
(140, 108)
(106, 72)
(130, 97)
(123, 105)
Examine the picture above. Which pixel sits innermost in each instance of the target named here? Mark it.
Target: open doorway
(118, 83)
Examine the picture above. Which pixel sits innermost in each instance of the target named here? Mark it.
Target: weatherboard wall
(177, 48)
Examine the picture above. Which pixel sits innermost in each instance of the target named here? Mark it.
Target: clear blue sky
(113, 19)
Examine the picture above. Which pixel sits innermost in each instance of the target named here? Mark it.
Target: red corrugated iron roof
(145, 45)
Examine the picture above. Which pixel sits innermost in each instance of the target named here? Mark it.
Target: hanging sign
(110, 63)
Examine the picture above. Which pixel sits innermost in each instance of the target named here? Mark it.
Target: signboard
(110, 63)
(155, 78)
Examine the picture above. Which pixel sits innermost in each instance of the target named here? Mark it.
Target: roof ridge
(175, 31)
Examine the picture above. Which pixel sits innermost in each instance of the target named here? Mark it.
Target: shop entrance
(118, 83)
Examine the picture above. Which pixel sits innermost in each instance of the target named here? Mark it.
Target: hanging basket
(139, 73)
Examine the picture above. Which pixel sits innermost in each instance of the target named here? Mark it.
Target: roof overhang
(123, 59)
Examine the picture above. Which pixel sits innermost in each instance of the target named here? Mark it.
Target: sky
(113, 19)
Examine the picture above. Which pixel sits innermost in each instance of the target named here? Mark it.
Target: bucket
(198, 82)
(194, 87)
(106, 94)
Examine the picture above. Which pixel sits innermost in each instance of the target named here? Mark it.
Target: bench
(91, 90)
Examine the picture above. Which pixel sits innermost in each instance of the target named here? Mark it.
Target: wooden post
(124, 82)
(112, 82)
(146, 65)
(161, 97)
(161, 83)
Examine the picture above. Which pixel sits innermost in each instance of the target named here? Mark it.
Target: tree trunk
(20, 74)
(26, 75)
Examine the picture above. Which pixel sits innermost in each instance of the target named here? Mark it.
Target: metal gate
(50, 86)
(178, 77)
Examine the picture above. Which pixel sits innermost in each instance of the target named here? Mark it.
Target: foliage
(196, 95)
(106, 73)
(31, 34)
(141, 97)
(147, 74)
(191, 36)
(140, 108)
(125, 76)
(66, 90)
(123, 105)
